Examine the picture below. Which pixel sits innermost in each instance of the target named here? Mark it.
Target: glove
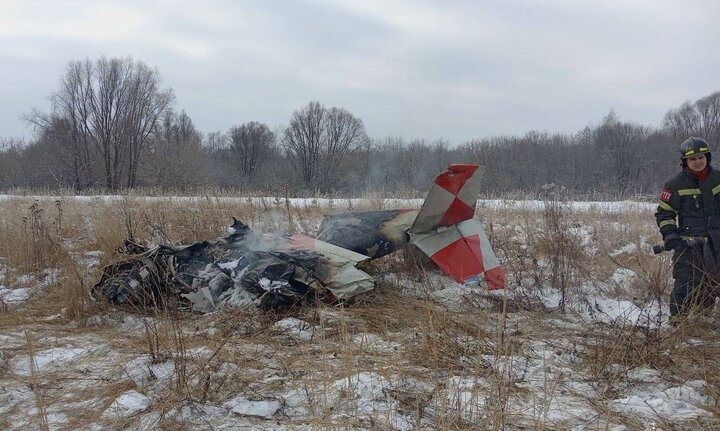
(673, 241)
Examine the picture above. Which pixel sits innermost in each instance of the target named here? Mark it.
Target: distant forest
(112, 126)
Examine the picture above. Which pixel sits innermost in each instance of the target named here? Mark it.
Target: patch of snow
(194, 411)
(621, 311)
(12, 341)
(627, 248)
(25, 279)
(128, 404)
(56, 419)
(466, 397)
(585, 233)
(14, 296)
(644, 375)
(143, 372)
(134, 323)
(52, 317)
(277, 201)
(363, 392)
(373, 344)
(296, 328)
(676, 403)
(550, 298)
(453, 295)
(623, 277)
(13, 396)
(149, 421)
(51, 277)
(90, 259)
(45, 360)
(258, 408)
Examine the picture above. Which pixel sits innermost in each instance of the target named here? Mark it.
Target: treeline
(112, 126)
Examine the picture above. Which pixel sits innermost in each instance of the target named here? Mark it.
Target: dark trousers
(694, 287)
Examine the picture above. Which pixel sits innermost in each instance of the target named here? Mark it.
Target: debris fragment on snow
(296, 328)
(229, 264)
(128, 404)
(258, 408)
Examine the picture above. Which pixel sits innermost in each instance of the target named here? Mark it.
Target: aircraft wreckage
(275, 271)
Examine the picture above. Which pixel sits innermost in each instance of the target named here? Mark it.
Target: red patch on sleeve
(665, 195)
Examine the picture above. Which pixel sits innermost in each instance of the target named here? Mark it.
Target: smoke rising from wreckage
(278, 271)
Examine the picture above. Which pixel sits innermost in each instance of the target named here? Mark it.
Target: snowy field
(578, 341)
(350, 204)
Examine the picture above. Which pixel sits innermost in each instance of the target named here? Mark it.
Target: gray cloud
(455, 69)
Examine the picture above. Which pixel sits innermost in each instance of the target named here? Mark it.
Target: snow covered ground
(420, 352)
(350, 204)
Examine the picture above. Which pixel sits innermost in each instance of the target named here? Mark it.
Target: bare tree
(303, 140)
(621, 147)
(215, 141)
(10, 162)
(343, 132)
(683, 121)
(109, 108)
(175, 158)
(701, 118)
(318, 139)
(250, 144)
(708, 109)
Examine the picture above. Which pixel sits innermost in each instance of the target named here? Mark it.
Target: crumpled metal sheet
(339, 274)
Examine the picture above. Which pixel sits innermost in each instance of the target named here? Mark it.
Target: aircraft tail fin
(464, 252)
(451, 200)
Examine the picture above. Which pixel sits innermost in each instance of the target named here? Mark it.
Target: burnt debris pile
(246, 267)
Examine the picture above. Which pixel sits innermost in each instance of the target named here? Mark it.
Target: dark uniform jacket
(691, 207)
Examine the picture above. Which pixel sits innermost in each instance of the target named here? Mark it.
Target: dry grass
(426, 344)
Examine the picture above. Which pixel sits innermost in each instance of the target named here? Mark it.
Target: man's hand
(674, 241)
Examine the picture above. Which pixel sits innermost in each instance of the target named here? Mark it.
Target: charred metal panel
(372, 233)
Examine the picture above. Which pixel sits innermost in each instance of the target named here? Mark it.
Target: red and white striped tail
(463, 251)
(451, 200)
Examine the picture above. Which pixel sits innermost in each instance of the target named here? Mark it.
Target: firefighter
(688, 216)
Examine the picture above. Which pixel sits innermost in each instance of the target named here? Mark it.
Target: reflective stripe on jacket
(690, 207)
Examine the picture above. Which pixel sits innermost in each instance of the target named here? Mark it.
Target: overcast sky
(432, 69)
